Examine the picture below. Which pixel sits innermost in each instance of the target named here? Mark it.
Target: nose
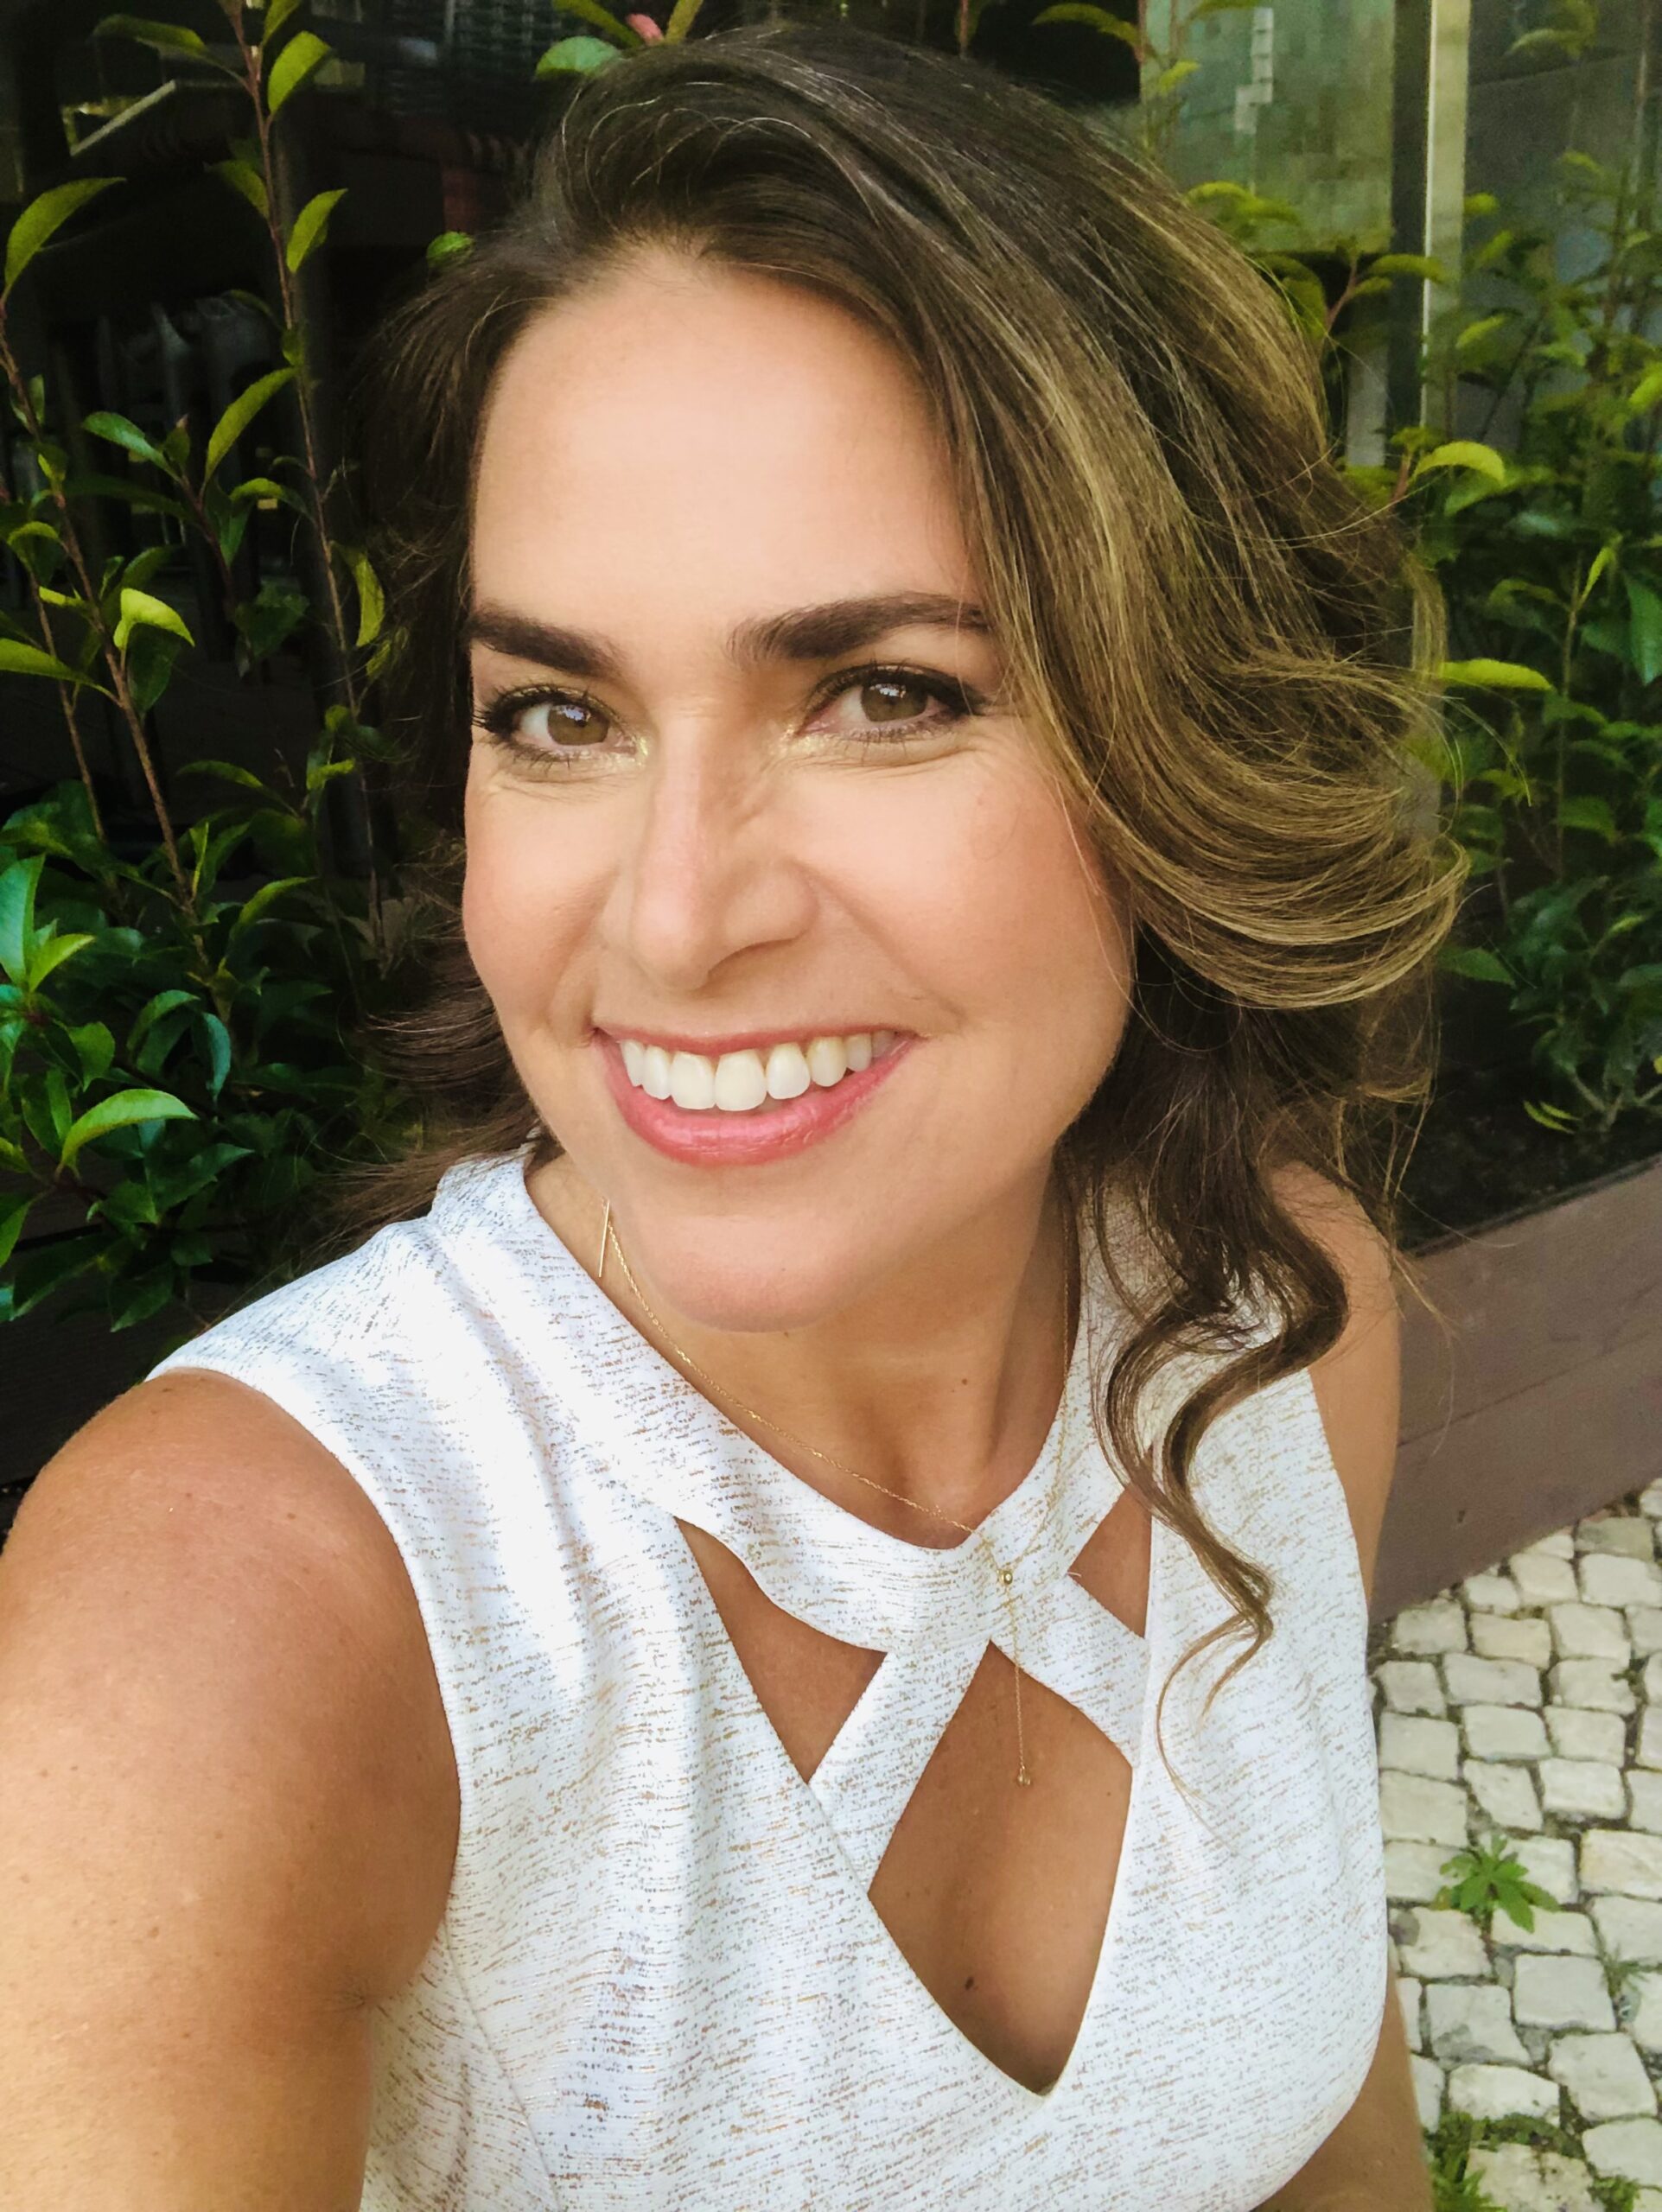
(708, 872)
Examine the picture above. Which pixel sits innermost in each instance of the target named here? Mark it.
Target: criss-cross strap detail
(931, 1611)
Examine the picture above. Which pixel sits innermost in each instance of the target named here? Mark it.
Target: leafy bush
(175, 1066)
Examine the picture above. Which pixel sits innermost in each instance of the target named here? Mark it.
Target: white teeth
(738, 1082)
(692, 1081)
(828, 1061)
(787, 1071)
(741, 1082)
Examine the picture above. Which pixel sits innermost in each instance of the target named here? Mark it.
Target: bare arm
(1374, 2160)
(230, 1813)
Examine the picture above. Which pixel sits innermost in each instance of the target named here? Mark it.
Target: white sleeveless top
(659, 1981)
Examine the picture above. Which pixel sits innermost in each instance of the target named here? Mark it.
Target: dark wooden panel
(1537, 1397)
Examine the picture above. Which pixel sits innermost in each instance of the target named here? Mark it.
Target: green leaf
(228, 772)
(218, 1038)
(241, 412)
(301, 57)
(276, 15)
(1425, 266)
(1098, 19)
(1550, 1117)
(47, 1268)
(311, 227)
(1646, 632)
(50, 953)
(1492, 675)
(1474, 960)
(449, 246)
(17, 659)
(46, 215)
(117, 430)
(244, 177)
(140, 609)
(1475, 333)
(165, 38)
(582, 55)
(1592, 814)
(14, 1212)
(120, 1112)
(95, 1048)
(17, 918)
(1466, 452)
(150, 658)
(149, 1014)
(1170, 79)
(1647, 393)
(371, 602)
(264, 899)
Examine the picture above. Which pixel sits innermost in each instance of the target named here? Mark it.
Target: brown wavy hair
(1213, 636)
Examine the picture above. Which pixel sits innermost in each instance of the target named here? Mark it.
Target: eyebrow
(801, 633)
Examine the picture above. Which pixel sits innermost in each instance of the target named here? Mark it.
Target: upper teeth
(739, 1080)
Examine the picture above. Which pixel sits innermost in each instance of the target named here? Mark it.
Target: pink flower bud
(647, 28)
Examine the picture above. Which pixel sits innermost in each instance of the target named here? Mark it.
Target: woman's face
(726, 802)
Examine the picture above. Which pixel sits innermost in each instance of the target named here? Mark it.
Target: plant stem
(345, 649)
(114, 664)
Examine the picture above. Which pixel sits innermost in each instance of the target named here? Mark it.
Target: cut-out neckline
(935, 1606)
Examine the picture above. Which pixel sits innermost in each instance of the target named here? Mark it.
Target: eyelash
(497, 717)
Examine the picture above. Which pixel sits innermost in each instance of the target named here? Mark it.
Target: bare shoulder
(1358, 1381)
(230, 1800)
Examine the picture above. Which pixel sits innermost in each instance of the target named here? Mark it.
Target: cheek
(523, 896)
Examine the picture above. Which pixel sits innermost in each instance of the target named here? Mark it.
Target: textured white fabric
(659, 1981)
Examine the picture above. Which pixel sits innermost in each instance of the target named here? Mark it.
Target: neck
(938, 1383)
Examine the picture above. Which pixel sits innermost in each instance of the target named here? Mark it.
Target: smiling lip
(713, 1139)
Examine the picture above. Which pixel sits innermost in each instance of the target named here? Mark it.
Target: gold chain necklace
(1005, 1573)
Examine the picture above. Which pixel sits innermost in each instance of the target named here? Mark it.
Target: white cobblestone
(1491, 1593)
(1414, 1744)
(1550, 1860)
(1507, 1793)
(1585, 1789)
(1645, 2010)
(1413, 1871)
(1541, 1579)
(1649, 1499)
(1471, 1680)
(1629, 1928)
(1632, 2148)
(1408, 1996)
(1523, 2179)
(1652, 1679)
(1504, 1731)
(1591, 1683)
(1555, 1930)
(1468, 2020)
(1644, 1626)
(1428, 2091)
(1615, 1859)
(1440, 1626)
(1500, 2092)
(1625, 1534)
(1650, 1740)
(1644, 1801)
(1495, 1636)
(1561, 1992)
(1419, 1810)
(1581, 1735)
(1412, 1686)
(1590, 1632)
(1604, 2074)
(1608, 1578)
(1441, 1946)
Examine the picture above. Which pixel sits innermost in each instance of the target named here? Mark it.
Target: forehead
(684, 419)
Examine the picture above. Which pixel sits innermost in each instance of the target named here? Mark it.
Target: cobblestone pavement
(1529, 1701)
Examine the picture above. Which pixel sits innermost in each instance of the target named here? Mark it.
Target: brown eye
(894, 698)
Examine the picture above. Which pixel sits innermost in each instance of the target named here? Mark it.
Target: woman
(798, 1639)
